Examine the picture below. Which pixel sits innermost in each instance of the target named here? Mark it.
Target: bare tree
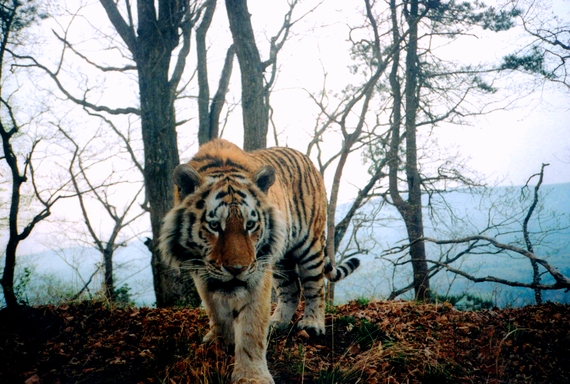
(253, 96)
(419, 91)
(511, 225)
(14, 17)
(482, 244)
(357, 104)
(526, 234)
(416, 90)
(149, 46)
(255, 88)
(560, 281)
(155, 41)
(120, 218)
(152, 42)
(209, 110)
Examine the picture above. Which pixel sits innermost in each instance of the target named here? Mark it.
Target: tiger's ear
(186, 179)
(264, 177)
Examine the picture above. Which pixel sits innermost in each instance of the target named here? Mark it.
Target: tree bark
(413, 214)
(220, 96)
(526, 235)
(209, 114)
(254, 103)
(410, 209)
(109, 283)
(204, 129)
(13, 236)
(158, 36)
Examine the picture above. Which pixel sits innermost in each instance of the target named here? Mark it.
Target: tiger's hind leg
(286, 284)
(311, 272)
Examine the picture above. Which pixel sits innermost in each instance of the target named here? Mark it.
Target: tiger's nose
(235, 269)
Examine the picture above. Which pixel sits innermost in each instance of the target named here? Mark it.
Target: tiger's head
(223, 230)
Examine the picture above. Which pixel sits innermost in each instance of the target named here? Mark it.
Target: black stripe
(265, 252)
(315, 266)
(312, 278)
(297, 246)
(313, 297)
(353, 263)
(213, 163)
(216, 162)
(231, 163)
(221, 195)
(176, 237)
(215, 285)
(237, 312)
(307, 259)
(205, 194)
(300, 258)
(328, 267)
(302, 213)
(180, 251)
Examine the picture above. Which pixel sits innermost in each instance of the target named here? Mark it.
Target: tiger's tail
(340, 271)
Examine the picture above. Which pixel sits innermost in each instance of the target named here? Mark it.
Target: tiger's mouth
(230, 286)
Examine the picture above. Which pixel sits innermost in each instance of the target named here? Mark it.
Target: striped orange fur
(243, 222)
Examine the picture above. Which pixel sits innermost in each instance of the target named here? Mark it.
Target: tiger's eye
(250, 225)
(214, 225)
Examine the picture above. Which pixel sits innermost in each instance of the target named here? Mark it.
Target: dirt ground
(378, 342)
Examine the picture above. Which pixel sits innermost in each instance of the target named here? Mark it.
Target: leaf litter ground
(379, 342)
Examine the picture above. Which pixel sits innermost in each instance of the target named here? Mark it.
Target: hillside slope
(379, 342)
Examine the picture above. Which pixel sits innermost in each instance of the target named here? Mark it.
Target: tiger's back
(299, 192)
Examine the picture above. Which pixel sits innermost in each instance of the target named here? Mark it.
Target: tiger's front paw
(210, 337)
(255, 381)
(250, 375)
(313, 327)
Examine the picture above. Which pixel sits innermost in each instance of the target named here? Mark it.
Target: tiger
(243, 222)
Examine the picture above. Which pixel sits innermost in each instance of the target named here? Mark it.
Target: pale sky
(504, 146)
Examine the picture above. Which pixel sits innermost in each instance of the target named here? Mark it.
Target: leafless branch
(561, 280)
(90, 62)
(83, 102)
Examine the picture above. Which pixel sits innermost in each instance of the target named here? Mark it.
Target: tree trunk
(205, 133)
(413, 215)
(209, 114)
(253, 94)
(410, 209)
(220, 96)
(526, 235)
(158, 36)
(108, 281)
(13, 235)
(8, 275)
(156, 41)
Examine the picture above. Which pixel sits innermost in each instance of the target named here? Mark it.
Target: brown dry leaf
(35, 379)
(407, 342)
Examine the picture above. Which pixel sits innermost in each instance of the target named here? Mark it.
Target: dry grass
(378, 342)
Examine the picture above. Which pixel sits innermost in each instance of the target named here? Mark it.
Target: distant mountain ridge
(375, 280)
(372, 280)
